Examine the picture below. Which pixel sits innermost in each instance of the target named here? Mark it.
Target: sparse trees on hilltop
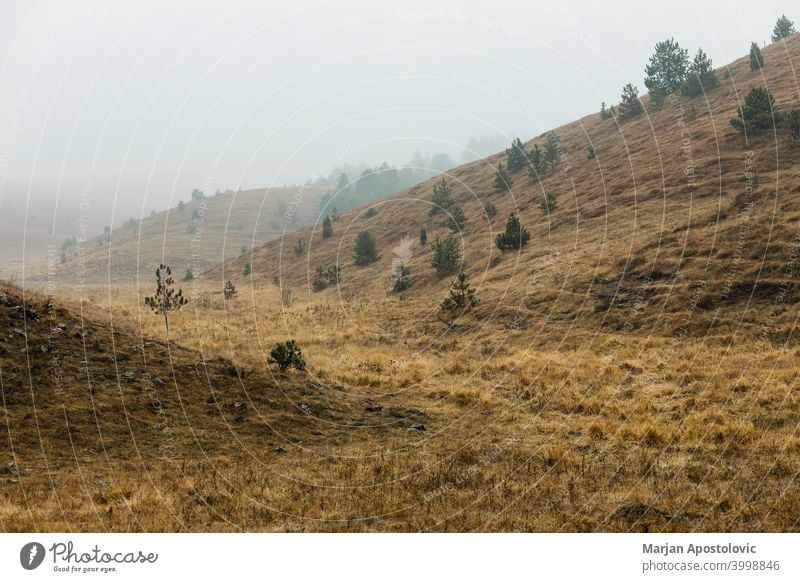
(701, 77)
(758, 112)
(666, 70)
(756, 58)
(629, 105)
(516, 156)
(423, 236)
(783, 28)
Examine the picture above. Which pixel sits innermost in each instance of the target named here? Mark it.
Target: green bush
(629, 105)
(462, 297)
(515, 236)
(441, 198)
(758, 112)
(229, 292)
(756, 58)
(502, 181)
(287, 355)
(458, 220)
(366, 251)
(327, 227)
(516, 157)
(446, 255)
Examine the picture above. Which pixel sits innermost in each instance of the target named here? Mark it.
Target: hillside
(659, 233)
(194, 235)
(633, 368)
(107, 429)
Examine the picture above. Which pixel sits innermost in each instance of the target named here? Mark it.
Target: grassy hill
(107, 429)
(660, 232)
(194, 235)
(633, 368)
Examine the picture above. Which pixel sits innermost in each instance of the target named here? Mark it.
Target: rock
(374, 408)
(238, 404)
(279, 450)
(128, 375)
(305, 408)
(62, 326)
(19, 331)
(158, 381)
(417, 426)
(9, 468)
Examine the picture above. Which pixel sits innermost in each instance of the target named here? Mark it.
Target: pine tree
(502, 181)
(188, 276)
(229, 292)
(548, 202)
(756, 58)
(401, 279)
(516, 157)
(299, 247)
(515, 236)
(490, 210)
(441, 198)
(365, 250)
(247, 269)
(701, 77)
(758, 112)
(793, 124)
(538, 164)
(166, 298)
(458, 220)
(783, 28)
(552, 150)
(287, 355)
(423, 236)
(320, 280)
(446, 255)
(606, 113)
(327, 227)
(462, 297)
(666, 70)
(629, 105)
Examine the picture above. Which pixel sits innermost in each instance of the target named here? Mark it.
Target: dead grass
(608, 381)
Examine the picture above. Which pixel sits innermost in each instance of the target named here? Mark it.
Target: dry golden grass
(633, 369)
(531, 437)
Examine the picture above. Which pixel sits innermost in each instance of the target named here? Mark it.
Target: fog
(137, 103)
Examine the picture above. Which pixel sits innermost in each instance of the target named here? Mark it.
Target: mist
(133, 105)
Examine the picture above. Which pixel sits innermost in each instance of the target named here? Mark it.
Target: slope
(678, 224)
(194, 235)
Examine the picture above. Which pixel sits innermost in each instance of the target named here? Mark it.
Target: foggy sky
(144, 101)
